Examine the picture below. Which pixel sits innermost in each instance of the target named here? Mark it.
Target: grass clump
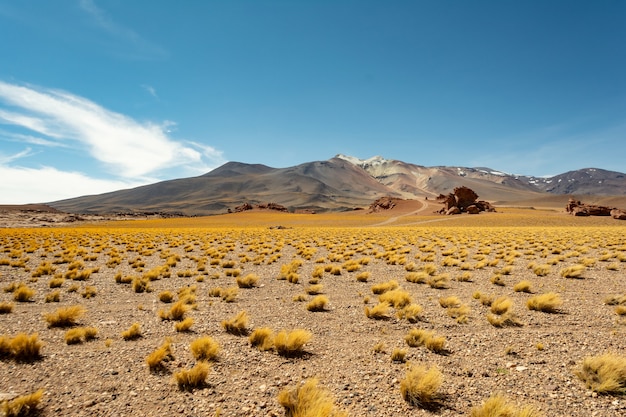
(501, 305)
(80, 335)
(363, 276)
(411, 313)
(53, 297)
(613, 300)
(379, 312)
(447, 302)
(419, 277)
(204, 348)
(65, 316)
(318, 303)
(439, 282)
(188, 379)
(132, 333)
(398, 355)
(547, 303)
(604, 374)
(22, 347)
(420, 386)
(291, 343)
(166, 296)
(308, 400)
(498, 406)
(397, 298)
(163, 353)
(185, 325)
(523, 286)
(426, 338)
(262, 338)
(541, 270)
(22, 406)
(6, 308)
(384, 287)
(574, 271)
(229, 295)
(248, 281)
(237, 325)
(176, 312)
(23, 294)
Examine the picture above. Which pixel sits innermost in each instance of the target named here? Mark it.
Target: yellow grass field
(558, 284)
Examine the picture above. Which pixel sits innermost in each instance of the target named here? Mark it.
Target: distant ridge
(340, 183)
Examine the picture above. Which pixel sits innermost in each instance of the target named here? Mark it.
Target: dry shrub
(188, 379)
(574, 271)
(56, 282)
(541, 270)
(498, 406)
(411, 313)
(292, 343)
(237, 325)
(398, 298)
(262, 338)
(176, 312)
(605, 374)
(363, 276)
(318, 303)
(166, 296)
(6, 308)
(506, 319)
(498, 280)
(420, 386)
(229, 295)
(427, 338)
(501, 305)
(308, 400)
(53, 297)
(141, 284)
(23, 294)
(204, 349)
(315, 289)
(384, 287)
(23, 347)
(419, 277)
(439, 282)
(547, 303)
(398, 355)
(451, 301)
(613, 300)
(185, 325)
(460, 313)
(65, 316)
(80, 335)
(249, 281)
(379, 312)
(523, 286)
(132, 333)
(162, 354)
(22, 406)
(465, 277)
(89, 292)
(620, 310)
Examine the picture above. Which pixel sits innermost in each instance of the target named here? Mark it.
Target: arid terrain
(118, 270)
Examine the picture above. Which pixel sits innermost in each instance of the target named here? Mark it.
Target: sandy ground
(532, 364)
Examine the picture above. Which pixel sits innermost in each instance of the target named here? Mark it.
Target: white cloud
(47, 184)
(151, 90)
(129, 148)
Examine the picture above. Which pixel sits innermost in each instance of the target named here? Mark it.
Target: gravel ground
(532, 364)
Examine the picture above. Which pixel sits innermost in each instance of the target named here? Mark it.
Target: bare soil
(532, 364)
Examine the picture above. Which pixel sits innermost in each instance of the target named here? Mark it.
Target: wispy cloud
(130, 148)
(130, 152)
(151, 90)
(142, 48)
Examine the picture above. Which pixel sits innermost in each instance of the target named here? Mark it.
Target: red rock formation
(463, 200)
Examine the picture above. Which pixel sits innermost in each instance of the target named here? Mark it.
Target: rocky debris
(618, 214)
(262, 206)
(463, 200)
(580, 209)
(383, 203)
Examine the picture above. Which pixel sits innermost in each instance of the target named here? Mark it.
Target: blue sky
(102, 95)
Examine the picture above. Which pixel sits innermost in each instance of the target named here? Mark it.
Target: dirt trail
(426, 205)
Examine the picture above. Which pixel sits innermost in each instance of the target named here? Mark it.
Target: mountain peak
(374, 160)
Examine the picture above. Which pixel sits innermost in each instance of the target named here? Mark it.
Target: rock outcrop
(262, 206)
(383, 203)
(463, 200)
(580, 209)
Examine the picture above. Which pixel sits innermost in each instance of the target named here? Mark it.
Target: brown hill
(342, 183)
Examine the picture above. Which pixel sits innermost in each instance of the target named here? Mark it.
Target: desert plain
(447, 271)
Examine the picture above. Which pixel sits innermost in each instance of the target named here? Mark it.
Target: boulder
(461, 199)
(618, 214)
(453, 210)
(473, 209)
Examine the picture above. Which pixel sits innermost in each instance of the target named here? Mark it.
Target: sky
(102, 95)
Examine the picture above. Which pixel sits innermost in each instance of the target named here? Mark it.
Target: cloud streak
(142, 47)
(129, 148)
(131, 153)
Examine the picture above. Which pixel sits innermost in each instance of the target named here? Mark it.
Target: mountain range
(345, 183)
